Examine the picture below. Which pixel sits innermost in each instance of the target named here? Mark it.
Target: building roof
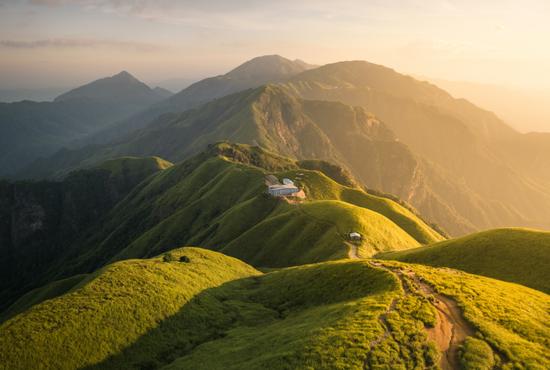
(283, 186)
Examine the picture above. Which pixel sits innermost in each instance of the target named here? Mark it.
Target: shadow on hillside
(206, 317)
(247, 302)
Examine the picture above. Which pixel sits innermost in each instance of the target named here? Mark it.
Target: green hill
(115, 307)
(205, 193)
(210, 311)
(39, 220)
(218, 200)
(518, 255)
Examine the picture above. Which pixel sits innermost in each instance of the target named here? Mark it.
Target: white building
(282, 190)
(355, 236)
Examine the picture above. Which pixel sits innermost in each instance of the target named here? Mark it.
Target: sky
(45, 43)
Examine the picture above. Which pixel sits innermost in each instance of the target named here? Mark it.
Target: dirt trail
(450, 330)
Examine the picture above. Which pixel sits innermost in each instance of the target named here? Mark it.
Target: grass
(111, 309)
(512, 320)
(220, 195)
(316, 231)
(215, 312)
(517, 255)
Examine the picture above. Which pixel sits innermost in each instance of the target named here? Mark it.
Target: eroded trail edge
(450, 330)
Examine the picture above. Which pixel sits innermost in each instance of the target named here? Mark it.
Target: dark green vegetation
(40, 220)
(517, 255)
(30, 130)
(215, 312)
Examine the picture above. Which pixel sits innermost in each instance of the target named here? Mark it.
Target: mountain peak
(122, 87)
(268, 67)
(124, 75)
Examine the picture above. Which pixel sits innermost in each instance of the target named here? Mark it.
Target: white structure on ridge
(284, 189)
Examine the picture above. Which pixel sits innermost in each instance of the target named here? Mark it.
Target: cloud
(79, 43)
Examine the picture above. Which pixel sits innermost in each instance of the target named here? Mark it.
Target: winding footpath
(450, 330)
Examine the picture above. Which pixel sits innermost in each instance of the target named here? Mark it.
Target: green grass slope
(215, 312)
(111, 309)
(510, 319)
(518, 255)
(215, 198)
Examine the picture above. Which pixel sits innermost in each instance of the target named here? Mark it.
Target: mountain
(197, 309)
(30, 130)
(218, 199)
(518, 255)
(122, 88)
(462, 140)
(38, 220)
(459, 165)
(162, 93)
(251, 74)
(273, 117)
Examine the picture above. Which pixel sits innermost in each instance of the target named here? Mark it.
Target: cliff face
(39, 220)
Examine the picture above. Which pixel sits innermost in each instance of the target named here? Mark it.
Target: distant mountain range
(458, 164)
(30, 130)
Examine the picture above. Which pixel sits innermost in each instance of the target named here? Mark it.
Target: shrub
(185, 259)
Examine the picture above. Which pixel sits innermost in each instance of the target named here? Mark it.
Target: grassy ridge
(214, 198)
(511, 318)
(215, 312)
(517, 255)
(152, 313)
(316, 231)
(111, 309)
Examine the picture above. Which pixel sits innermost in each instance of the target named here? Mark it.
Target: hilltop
(517, 255)
(122, 88)
(198, 309)
(251, 74)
